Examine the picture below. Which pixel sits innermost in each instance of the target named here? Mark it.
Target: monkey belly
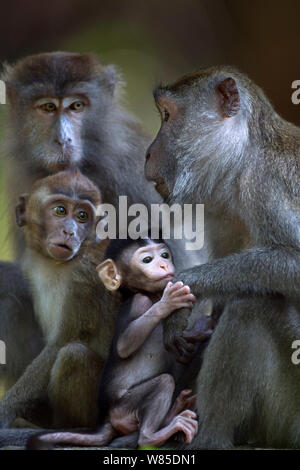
(150, 360)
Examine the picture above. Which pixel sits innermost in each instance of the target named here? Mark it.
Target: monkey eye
(147, 259)
(166, 115)
(49, 107)
(60, 211)
(77, 106)
(165, 255)
(82, 216)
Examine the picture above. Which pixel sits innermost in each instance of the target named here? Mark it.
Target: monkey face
(68, 223)
(58, 123)
(59, 216)
(198, 114)
(149, 269)
(55, 101)
(160, 166)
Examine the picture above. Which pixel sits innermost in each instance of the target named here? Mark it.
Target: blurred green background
(158, 41)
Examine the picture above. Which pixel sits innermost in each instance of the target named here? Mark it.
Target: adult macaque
(222, 144)
(136, 387)
(69, 301)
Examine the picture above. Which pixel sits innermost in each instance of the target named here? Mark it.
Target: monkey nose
(148, 155)
(62, 142)
(68, 234)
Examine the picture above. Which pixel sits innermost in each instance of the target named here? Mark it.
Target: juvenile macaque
(136, 387)
(74, 310)
(222, 144)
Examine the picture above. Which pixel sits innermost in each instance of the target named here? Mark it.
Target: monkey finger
(188, 414)
(184, 290)
(174, 287)
(176, 348)
(185, 393)
(184, 351)
(183, 304)
(185, 298)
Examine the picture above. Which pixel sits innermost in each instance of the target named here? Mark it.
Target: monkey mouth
(60, 251)
(162, 188)
(167, 276)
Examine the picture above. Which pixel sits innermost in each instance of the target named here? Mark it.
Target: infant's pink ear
(229, 97)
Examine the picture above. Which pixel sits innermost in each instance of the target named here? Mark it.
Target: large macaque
(76, 313)
(136, 387)
(222, 144)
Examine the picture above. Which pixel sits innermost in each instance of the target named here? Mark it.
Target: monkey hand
(185, 401)
(201, 331)
(186, 422)
(176, 296)
(175, 343)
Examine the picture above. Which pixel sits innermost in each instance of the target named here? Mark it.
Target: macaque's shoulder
(140, 304)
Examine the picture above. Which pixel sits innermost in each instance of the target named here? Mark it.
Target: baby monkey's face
(152, 266)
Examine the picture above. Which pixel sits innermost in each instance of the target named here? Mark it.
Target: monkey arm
(31, 387)
(257, 271)
(140, 328)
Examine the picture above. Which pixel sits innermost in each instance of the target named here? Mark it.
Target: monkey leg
(125, 442)
(73, 386)
(236, 375)
(184, 401)
(47, 441)
(129, 413)
(145, 406)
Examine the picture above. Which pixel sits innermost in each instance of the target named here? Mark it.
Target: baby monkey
(136, 387)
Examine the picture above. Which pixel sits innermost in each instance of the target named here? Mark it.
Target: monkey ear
(21, 210)
(109, 274)
(229, 97)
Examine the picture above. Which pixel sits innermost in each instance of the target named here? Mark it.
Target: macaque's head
(142, 265)
(204, 124)
(59, 214)
(55, 102)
